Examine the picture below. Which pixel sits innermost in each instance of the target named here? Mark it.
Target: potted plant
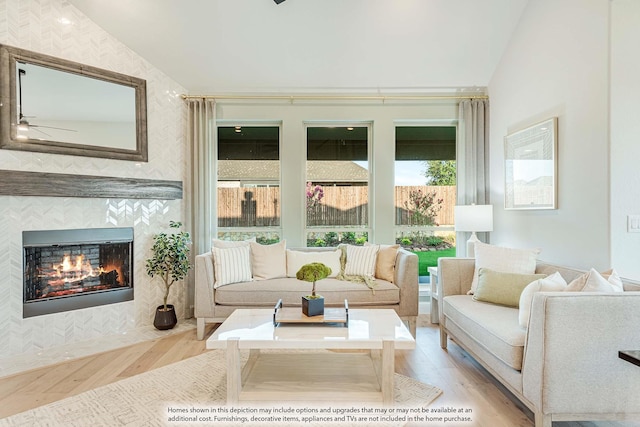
(313, 305)
(170, 262)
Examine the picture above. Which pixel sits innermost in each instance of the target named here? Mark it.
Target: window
(337, 190)
(425, 191)
(248, 186)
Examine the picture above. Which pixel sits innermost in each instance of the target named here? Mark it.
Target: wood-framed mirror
(52, 105)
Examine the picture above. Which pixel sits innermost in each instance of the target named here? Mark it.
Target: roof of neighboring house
(268, 170)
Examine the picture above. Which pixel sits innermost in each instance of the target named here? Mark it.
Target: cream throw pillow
(268, 261)
(592, 281)
(361, 260)
(386, 261)
(503, 259)
(296, 259)
(232, 265)
(552, 283)
(502, 288)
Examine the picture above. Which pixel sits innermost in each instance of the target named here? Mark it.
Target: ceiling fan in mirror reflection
(23, 124)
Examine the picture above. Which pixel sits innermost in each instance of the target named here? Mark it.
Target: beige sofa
(214, 305)
(565, 365)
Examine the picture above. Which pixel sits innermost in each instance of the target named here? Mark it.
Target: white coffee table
(342, 374)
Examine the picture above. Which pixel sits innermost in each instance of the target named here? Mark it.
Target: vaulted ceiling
(236, 46)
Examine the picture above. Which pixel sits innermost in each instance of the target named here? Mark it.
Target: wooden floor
(464, 383)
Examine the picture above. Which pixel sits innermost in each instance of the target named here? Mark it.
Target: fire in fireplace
(71, 269)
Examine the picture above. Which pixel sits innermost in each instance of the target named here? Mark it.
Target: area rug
(193, 393)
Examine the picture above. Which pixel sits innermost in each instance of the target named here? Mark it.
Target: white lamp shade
(476, 218)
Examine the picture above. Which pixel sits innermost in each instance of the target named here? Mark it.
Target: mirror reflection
(56, 106)
(95, 112)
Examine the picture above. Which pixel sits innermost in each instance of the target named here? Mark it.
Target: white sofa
(214, 305)
(565, 365)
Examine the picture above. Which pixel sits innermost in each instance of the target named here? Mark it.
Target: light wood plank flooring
(464, 383)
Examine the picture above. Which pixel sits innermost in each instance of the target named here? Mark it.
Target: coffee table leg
(388, 371)
(234, 378)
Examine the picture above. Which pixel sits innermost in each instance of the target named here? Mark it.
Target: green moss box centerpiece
(313, 305)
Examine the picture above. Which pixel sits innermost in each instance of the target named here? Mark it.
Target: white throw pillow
(504, 260)
(361, 260)
(268, 261)
(553, 283)
(232, 265)
(296, 259)
(614, 280)
(592, 281)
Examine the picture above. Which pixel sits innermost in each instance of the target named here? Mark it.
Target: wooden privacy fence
(260, 206)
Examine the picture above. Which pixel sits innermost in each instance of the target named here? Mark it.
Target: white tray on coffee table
(358, 366)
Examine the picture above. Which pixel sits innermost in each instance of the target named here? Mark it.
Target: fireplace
(68, 270)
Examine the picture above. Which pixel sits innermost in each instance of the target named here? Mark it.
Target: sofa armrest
(455, 276)
(406, 278)
(204, 291)
(571, 362)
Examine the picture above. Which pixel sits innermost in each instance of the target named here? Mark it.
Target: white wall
(383, 119)
(557, 65)
(36, 26)
(625, 134)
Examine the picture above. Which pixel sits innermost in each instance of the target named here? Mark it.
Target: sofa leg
(542, 420)
(443, 337)
(200, 328)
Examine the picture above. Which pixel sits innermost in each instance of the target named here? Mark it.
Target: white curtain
(472, 159)
(201, 131)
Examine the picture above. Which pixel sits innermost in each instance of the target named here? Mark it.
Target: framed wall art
(531, 167)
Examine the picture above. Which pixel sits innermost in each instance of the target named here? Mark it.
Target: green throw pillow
(502, 288)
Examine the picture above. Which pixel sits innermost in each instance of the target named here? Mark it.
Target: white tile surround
(37, 25)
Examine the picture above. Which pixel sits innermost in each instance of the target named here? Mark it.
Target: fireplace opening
(68, 270)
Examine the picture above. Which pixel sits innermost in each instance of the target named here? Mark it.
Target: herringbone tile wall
(56, 28)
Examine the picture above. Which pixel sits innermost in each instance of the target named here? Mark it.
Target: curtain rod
(336, 97)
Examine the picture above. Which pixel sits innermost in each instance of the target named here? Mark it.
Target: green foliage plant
(320, 243)
(441, 172)
(423, 207)
(311, 273)
(170, 258)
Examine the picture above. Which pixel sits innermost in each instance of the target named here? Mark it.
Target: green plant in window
(361, 240)
(348, 237)
(331, 238)
(423, 207)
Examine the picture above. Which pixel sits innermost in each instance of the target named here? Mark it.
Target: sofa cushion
(268, 261)
(502, 288)
(296, 259)
(592, 281)
(493, 327)
(361, 260)
(267, 292)
(232, 265)
(386, 262)
(503, 259)
(552, 283)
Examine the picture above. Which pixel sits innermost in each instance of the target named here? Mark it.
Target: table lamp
(473, 218)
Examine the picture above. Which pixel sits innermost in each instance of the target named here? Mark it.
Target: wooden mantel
(22, 183)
